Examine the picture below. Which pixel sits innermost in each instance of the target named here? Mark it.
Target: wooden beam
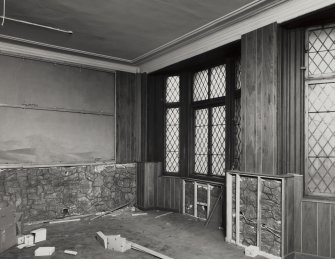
(148, 251)
(229, 207)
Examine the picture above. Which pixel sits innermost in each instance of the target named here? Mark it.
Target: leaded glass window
(237, 119)
(209, 87)
(172, 121)
(320, 106)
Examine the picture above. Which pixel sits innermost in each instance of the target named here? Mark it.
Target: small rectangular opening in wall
(199, 199)
(189, 198)
(202, 206)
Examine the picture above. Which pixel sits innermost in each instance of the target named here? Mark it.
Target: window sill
(318, 199)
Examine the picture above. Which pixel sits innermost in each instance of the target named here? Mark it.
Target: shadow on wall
(44, 193)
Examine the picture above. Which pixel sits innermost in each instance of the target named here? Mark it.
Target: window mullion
(210, 141)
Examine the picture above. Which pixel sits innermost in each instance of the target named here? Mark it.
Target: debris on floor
(70, 252)
(29, 239)
(35, 236)
(117, 243)
(251, 251)
(20, 240)
(139, 214)
(163, 215)
(110, 211)
(44, 251)
(56, 221)
(63, 221)
(148, 251)
(102, 239)
(39, 234)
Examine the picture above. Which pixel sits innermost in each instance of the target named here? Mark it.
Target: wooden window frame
(310, 80)
(167, 106)
(228, 101)
(186, 111)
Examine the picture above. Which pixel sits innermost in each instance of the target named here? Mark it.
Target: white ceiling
(123, 29)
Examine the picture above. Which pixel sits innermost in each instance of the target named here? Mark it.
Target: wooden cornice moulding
(221, 33)
(66, 57)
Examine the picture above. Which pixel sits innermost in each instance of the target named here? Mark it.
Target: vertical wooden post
(229, 207)
(183, 199)
(238, 183)
(259, 211)
(195, 199)
(283, 218)
(208, 200)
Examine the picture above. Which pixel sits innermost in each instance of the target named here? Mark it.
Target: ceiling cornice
(234, 17)
(217, 33)
(279, 11)
(40, 51)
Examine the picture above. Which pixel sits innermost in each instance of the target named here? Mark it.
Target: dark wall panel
(38, 136)
(156, 191)
(291, 103)
(43, 84)
(309, 227)
(259, 100)
(128, 117)
(55, 113)
(324, 229)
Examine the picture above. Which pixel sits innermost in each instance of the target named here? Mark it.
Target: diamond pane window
(218, 140)
(200, 86)
(321, 51)
(320, 178)
(209, 84)
(201, 141)
(172, 89)
(172, 140)
(218, 82)
(237, 135)
(172, 112)
(238, 75)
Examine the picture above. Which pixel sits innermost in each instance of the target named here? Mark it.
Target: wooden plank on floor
(309, 227)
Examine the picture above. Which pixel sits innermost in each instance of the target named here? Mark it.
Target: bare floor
(175, 235)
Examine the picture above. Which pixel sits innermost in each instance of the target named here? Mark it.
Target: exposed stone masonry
(43, 193)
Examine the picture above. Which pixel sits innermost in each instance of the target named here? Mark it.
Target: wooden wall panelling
(146, 182)
(151, 168)
(288, 235)
(155, 122)
(309, 227)
(291, 103)
(269, 134)
(249, 94)
(298, 194)
(332, 230)
(144, 117)
(259, 100)
(323, 229)
(140, 185)
(128, 117)
(260, 97)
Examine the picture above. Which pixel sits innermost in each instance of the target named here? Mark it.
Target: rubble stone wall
(43, 193)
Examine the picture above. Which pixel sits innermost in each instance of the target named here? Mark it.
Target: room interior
(196, 129)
